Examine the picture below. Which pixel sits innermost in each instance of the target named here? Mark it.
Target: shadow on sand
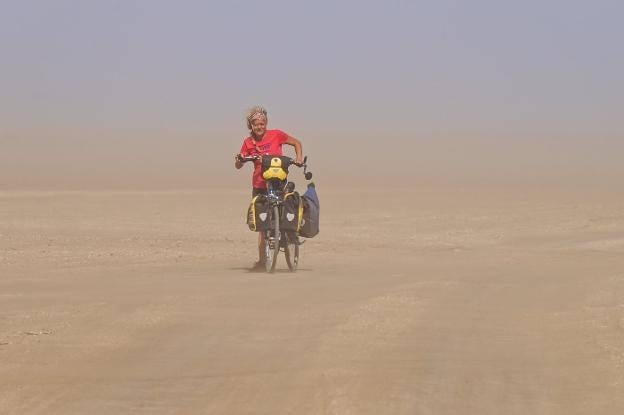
(252, 270)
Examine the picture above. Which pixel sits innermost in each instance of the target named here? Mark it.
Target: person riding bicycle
(262, 142)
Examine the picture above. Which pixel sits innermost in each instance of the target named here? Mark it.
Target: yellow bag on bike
(258, 214)
(292, 212)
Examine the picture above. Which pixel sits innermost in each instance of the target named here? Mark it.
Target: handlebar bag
(275, 167)
(258, 214)
(292, 212)
(311, 213)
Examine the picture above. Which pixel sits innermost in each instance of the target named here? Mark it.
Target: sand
(410, 301)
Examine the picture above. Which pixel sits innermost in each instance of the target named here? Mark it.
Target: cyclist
(263, 142)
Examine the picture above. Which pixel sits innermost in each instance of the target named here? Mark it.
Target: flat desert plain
(448, 300)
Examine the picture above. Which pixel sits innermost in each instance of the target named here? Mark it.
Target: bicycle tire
(291, 250)
(272, 250)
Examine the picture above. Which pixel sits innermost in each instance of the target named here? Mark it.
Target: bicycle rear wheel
(291, 249)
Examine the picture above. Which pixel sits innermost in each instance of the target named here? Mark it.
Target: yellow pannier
(257, 214)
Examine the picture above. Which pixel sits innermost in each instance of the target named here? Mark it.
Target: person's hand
(238, 158)
(299, 161)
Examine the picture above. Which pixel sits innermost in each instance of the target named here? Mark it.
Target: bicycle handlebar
(244, 159)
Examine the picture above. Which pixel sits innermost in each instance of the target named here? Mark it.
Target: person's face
(258, 127)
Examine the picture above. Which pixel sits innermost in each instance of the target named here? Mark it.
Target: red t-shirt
(271, 144)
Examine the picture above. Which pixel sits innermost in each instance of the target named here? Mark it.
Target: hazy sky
(145, 92)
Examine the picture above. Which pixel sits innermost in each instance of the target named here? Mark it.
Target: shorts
(255, 191)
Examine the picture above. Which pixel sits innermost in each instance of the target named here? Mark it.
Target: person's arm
(298, 149)
(237, 161)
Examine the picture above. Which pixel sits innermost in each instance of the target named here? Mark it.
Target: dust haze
(154, 159)
(467, 157)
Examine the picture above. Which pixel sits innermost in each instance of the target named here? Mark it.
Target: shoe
(258, 266)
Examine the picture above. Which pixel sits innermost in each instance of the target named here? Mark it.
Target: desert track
(410, 301)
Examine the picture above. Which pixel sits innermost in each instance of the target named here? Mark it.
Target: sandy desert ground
(410, 301)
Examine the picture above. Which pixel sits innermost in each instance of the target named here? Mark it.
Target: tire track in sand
(355, 360)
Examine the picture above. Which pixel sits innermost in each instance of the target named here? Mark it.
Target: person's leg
(261, 258)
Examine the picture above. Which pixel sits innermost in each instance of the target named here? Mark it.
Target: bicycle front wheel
(272, 242)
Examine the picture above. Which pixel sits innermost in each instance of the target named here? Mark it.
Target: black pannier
(311, 212)
(292, 212)
(258, 214)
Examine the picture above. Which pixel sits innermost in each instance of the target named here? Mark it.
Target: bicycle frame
(275, 197)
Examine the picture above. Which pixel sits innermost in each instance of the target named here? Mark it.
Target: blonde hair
(252, 112)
